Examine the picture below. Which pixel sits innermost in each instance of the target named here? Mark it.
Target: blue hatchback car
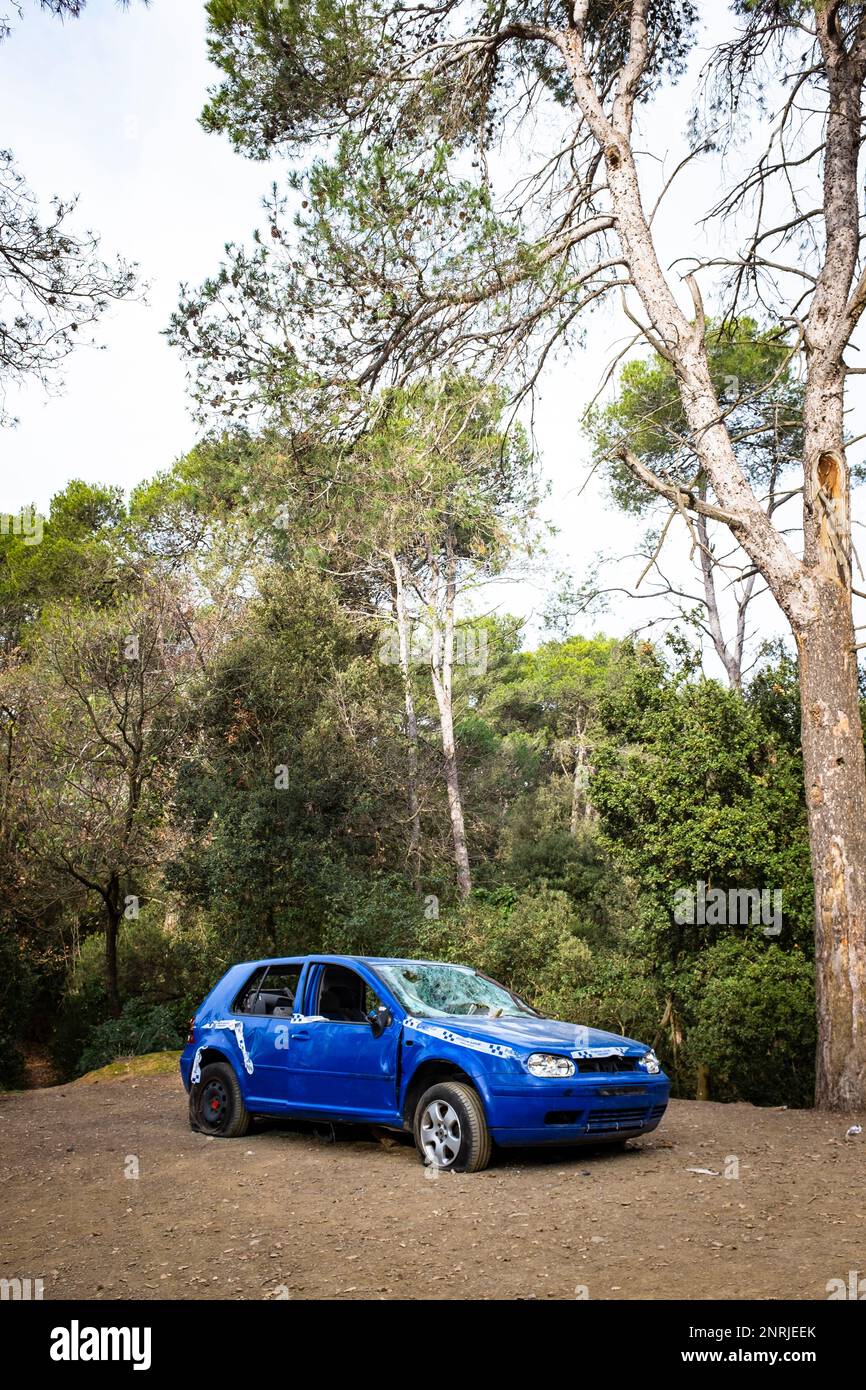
(439, 1050)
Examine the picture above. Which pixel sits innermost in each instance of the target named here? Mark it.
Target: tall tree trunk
(455, 803)
(580, 809)
(832, 741)
(831, 732)
(731, 660)
(113, 917)
(442, 669)
(742, 608)
(411, 722)
(815, 593)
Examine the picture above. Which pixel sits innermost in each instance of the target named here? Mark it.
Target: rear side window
(244, 1000)
(270, 990)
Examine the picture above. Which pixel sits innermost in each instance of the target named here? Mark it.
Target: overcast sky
(106, 106)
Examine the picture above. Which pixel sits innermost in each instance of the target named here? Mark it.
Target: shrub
(141, 1028)
(158, 965)
(754, 1023)
(157, 961)
(615, 992)
(379, 920)
(512, 936)
(533, 942)
(17, 986)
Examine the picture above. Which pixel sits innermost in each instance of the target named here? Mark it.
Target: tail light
(190, 1037)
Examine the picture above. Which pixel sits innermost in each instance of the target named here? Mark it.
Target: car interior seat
(339, 1002)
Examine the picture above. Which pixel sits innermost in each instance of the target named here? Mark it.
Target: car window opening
(343, 996)
(430, 990)
(270, 990)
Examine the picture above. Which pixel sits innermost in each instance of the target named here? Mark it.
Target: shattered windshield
(446, 991)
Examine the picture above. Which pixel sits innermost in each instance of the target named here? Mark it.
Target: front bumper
(582, 1110)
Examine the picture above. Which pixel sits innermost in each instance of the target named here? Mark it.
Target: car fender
(422, 1049)
(226, 1037)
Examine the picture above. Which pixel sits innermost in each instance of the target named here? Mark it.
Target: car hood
(534, 1035)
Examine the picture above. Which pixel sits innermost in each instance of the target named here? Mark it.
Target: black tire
(216, 1105)
(472, 1145)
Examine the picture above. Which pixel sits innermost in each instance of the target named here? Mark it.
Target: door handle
(300, 1037)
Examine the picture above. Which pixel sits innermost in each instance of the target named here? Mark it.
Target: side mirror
(380, 1020)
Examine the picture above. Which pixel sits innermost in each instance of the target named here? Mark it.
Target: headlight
(650, 1063)
(548, 1064)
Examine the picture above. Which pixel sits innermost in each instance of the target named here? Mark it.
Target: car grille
(627, 1118)
(607, 1120)
(620, 1090)
(607, 1064)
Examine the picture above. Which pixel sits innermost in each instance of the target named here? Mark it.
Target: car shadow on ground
(372, 1136)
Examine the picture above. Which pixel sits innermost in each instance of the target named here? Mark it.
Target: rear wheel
(451, 1129)
(216, 1105)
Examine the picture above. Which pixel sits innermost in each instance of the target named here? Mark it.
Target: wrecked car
(439, 1050)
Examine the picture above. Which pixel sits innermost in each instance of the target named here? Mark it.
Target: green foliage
(12, 1070)
(280, 804)
(538, 847)
(534, 942)
(395, 116)
(17, 988)
(141, 1028)
(78, 557)
(761, 397)
(516, 938)
(269, 50)
(166, 963)
(754, 1022)
(691, 784)
(597, 779)
(294, 71)
(375, 918)
(697, 783)
(101, 691)
(619, 993)
(81, 1008)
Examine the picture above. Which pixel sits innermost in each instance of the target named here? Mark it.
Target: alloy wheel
(440, 1133)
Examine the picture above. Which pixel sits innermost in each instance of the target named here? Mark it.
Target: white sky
(106, 106)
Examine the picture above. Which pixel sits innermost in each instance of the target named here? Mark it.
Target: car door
(341, 1064)
(265, 1007)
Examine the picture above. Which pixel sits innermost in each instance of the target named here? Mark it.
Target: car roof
(345, 960)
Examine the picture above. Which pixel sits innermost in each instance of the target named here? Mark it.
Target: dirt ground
(284, 1213)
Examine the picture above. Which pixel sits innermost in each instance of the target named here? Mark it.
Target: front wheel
(451, 1129)
(216, 1105)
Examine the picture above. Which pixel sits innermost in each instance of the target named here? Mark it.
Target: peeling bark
(835, 775)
